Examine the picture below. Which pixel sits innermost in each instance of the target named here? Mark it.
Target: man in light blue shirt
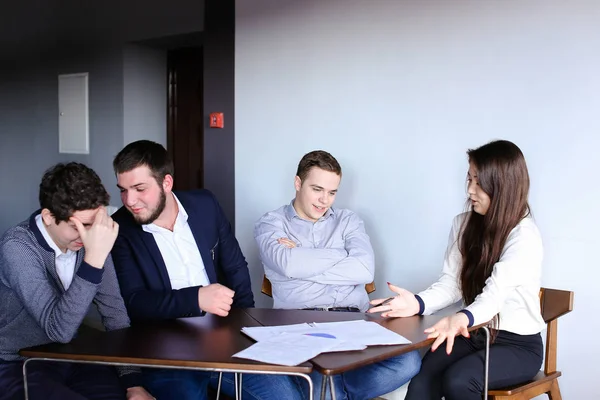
(318, 257)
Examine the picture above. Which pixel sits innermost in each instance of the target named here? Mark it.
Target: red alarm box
(216, 120)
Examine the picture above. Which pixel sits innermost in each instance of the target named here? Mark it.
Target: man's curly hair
(66, 188)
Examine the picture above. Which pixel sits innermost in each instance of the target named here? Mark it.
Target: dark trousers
(47, 380)
(514, 359)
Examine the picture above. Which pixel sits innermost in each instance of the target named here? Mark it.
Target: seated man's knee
(265, 387)
(176, 383)
(413, 363)
(406, 365)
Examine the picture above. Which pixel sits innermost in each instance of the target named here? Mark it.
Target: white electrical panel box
(73, 114)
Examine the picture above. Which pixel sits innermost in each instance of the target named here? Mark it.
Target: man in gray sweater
(53, 266)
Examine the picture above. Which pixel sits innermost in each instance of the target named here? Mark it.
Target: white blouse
(512, 290)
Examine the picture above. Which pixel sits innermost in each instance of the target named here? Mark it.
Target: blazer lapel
(195, 223)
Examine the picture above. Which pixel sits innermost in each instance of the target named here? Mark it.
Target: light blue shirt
(330, 265)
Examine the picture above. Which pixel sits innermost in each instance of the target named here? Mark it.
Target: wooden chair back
(268, 289)
(554, 303)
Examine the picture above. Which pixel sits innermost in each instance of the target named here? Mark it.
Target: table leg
(241, 386)
(310, 385)
(25, 379)
(323, 387)
(331, 387)
(487, 362)
(219, 386)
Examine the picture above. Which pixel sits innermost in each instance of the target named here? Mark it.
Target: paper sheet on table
(368, 333)
(287, 349)
(353, 334)
(259, 333)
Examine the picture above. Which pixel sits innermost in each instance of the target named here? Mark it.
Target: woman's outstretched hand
(404, 304)
(447, 329)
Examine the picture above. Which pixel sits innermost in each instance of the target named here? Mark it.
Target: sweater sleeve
(109, 301)
(114, 316)
(58, 315)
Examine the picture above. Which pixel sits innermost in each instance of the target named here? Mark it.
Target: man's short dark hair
(320, 159)
(144, 152)
(66, 188)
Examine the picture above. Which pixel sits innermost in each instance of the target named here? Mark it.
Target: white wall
(398, 91)
(144, 94)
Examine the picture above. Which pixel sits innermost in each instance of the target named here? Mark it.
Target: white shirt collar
(182, 218)
(57, 252)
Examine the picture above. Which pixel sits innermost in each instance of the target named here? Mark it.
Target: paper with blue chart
(293, 344)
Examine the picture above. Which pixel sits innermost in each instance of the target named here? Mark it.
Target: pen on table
(386, 301)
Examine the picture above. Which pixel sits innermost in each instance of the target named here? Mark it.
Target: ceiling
(33, 26)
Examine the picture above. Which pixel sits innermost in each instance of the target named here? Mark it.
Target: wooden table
(208, 343)
(202, 343)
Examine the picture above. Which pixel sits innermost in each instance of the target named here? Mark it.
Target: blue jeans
(193, 385)
(372, 380)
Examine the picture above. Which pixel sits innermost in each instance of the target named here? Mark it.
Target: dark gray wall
(24, 148)
(144, 94)
(28, 93)
(31, 27)
(219, 92)
(29, 125)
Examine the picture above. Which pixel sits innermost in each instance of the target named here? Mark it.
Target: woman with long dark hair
(493, 263)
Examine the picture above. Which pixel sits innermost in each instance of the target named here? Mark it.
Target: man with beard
(176, 256)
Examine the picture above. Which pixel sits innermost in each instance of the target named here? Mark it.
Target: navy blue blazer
(143, 275)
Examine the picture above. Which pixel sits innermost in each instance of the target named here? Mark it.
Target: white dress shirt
(512, 290)
(180, 252)
(64, 262)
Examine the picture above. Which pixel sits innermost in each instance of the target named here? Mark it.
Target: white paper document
(287, 349)
(259, 333)
(366, 333)
(294, 344)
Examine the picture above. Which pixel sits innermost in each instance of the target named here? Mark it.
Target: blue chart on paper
(323, 335)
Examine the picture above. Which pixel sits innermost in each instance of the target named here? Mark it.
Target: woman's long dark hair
(502, 175)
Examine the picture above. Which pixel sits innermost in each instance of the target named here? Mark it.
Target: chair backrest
(370, 287)
(268, 289)
(554, 303)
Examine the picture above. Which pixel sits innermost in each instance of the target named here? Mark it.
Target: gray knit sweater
(34, 306)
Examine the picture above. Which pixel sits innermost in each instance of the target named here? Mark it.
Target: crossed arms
(352, 264)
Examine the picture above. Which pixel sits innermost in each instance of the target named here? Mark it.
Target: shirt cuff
(469, 315)
(89, 273)
(421, 304)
